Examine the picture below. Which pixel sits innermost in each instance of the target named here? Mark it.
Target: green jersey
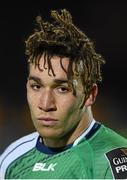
(99, 153)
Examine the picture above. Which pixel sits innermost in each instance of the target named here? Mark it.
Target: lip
(47, 121)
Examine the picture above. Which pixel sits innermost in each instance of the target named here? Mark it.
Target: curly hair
(62, 38)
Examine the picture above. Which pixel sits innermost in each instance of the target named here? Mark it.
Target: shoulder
(110, 152)
(106, 153)
(114, 138)
(106, 139)
(21, 142)
(17, 149)
(116, 154)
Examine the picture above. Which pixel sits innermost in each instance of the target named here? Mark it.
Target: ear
(92, 95)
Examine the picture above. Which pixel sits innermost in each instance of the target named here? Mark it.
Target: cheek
(67, 106)
(67, 101)
(70, 109)
(32, 101)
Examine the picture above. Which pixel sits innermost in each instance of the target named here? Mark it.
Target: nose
(47, 101)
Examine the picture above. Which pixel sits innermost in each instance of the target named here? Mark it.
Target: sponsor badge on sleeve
(118, 162)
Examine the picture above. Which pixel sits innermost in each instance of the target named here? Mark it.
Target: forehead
(46, 67)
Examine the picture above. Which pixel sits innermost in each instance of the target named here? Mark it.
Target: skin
(58, 115)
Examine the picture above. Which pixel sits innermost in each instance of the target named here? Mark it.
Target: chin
(49, 133)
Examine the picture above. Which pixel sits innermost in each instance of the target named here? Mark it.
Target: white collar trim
(84, 133)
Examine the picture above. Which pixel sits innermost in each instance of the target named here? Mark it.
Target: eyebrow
(34, 78)
(38, 80)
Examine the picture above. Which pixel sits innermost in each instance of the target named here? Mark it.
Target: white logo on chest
(44, 167)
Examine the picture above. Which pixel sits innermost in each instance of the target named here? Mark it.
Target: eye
(63, 89)
(35, 87)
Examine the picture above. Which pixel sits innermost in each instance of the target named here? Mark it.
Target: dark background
(105, 22)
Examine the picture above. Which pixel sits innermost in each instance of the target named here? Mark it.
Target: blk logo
(44, 167)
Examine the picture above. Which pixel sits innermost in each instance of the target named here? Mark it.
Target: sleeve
(117, 159)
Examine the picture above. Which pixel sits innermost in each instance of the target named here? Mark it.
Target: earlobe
(92, 95)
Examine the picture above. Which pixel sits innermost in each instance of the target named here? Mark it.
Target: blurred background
(105, 22)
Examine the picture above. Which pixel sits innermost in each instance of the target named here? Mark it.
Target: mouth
(47, 121)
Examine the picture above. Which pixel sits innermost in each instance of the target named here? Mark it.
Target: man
(64, 70)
